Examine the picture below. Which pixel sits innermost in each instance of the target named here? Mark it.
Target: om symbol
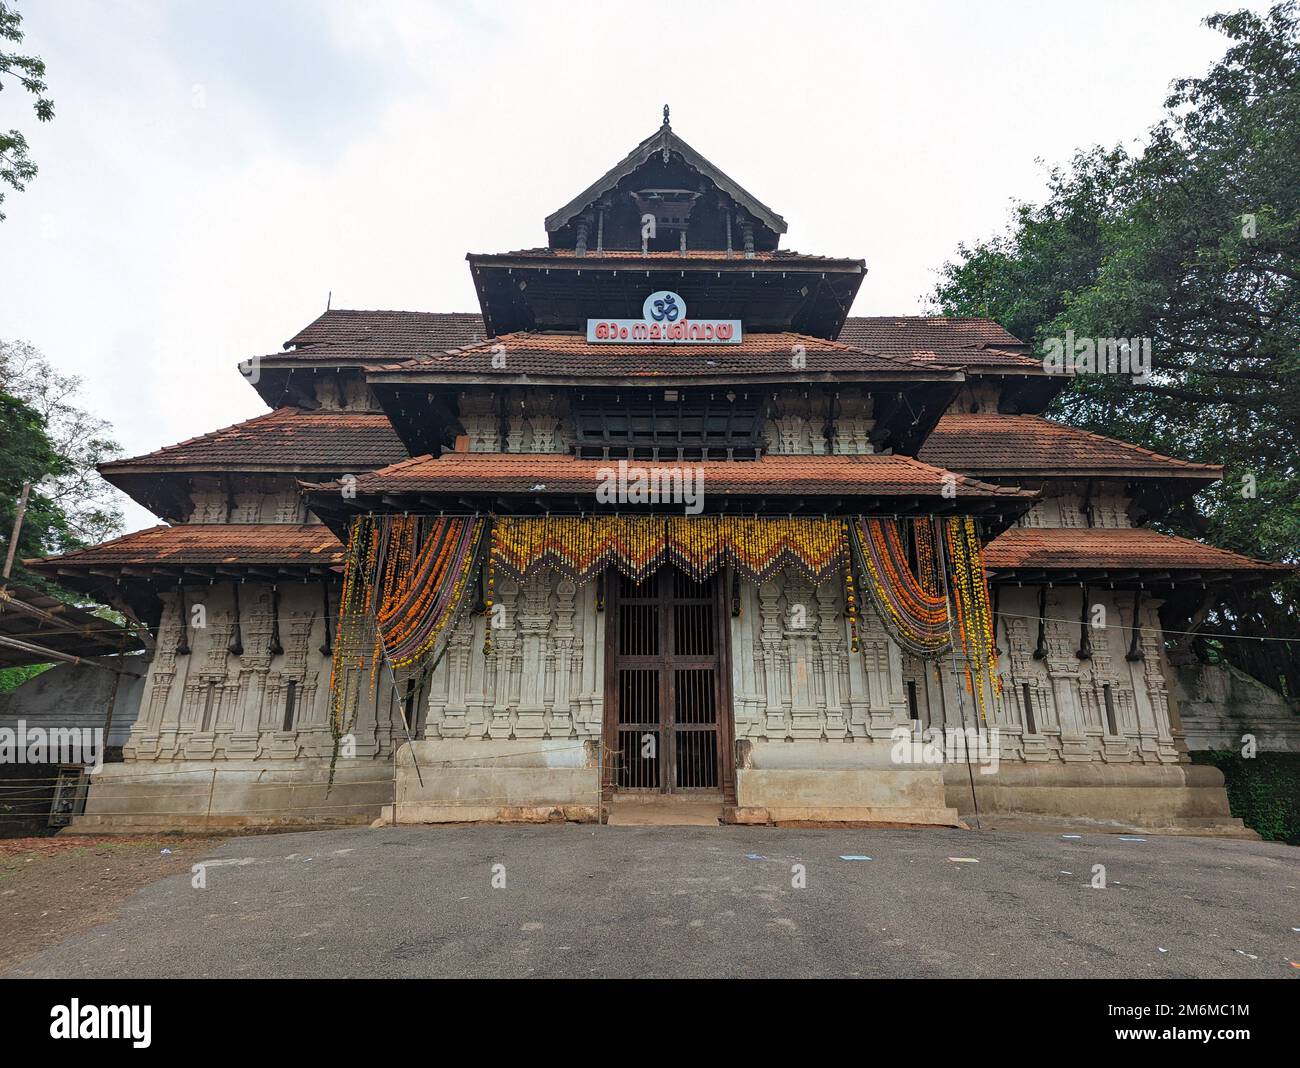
(666, 309)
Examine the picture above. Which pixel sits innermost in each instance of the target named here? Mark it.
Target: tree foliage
(47, 440)
(1193, 241)
(16, 166)
(81, 440)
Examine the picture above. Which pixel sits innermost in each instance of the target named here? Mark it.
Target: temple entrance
(667, 694)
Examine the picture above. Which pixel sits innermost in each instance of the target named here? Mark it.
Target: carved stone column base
(530, 723)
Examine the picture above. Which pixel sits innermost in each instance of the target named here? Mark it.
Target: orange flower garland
(405, 580)
(974, 617)
(581, 547)
(917, 617)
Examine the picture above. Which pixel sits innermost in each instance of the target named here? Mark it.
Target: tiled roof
(382, 335)
(346, 336)
(571, 355)
(289, 438)
(962, 342)
(1096, 548)
(210, 544)
(899, 476)
(993, 445)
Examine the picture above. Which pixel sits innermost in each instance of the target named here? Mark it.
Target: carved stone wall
(345, 391)
(812, 424)
(543, 676)
(217, 703)
(248, 499)
(516, 420)
(1064, 507)
(978, 396)
(793, 675)
(1101, 707)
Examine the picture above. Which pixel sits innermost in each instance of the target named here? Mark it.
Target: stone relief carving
(532, 682)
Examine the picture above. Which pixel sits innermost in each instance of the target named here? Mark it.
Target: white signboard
(663, 321)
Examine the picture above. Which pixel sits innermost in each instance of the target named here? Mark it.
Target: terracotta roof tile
(289, 438)
(1005, 445)
(354, 336)
(1138, 548)
(964, 342)
(899, 476)
(351, 336)
(571, 355)
(210, 544)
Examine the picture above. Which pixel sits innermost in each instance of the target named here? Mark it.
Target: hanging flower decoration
(924, 606)
(850, 589)
(913, 609)
(405, 583)
(406, 579)
(756, 547)
(582, 547)
(578, 547)
(968, 586)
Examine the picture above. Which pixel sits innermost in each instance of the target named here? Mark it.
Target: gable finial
(665, 114)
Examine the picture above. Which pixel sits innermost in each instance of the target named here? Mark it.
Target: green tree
(27, 455)
(1192, 241)
(48, 440)
(88, 505)
(16, 166)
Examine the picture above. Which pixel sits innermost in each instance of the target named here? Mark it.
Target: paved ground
(685, 901)
(54, 886)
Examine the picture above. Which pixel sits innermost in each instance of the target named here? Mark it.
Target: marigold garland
(582, 547)
(405, 583)
(407, 578)
(914, 607)
(911, 606)
(968, 587)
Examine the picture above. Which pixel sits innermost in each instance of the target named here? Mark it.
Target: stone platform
(1155, 799)
(202, 795)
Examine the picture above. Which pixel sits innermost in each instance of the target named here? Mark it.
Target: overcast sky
(214, 170)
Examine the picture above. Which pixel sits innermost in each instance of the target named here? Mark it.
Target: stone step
(663, 812)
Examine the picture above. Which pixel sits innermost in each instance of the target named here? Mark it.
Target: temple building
(660, 520)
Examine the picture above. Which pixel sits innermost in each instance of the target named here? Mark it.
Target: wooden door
(667, 707)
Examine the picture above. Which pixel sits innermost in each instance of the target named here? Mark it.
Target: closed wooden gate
(667, 697)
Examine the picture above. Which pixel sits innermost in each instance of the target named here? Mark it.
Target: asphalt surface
(583, 901)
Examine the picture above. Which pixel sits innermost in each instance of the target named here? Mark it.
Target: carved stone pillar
(771, 633)
(562, 643)
(537, 664)
(503, 659)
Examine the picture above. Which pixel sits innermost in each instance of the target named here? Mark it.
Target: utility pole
(18, 526)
